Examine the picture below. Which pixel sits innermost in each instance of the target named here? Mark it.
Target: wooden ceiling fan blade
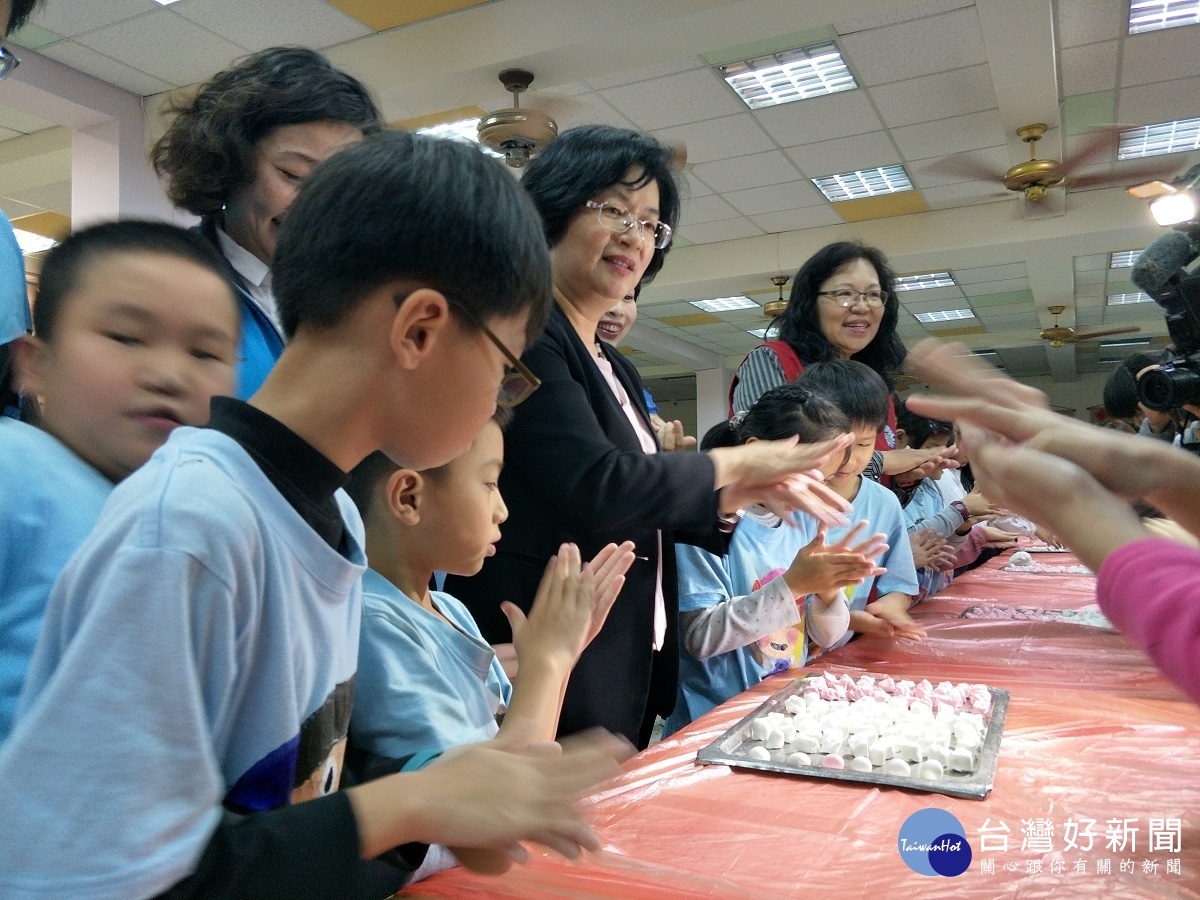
(1123, 176)
(1109, 332)
(1098, 146)
(966, 165)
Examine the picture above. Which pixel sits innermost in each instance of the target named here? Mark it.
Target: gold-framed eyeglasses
(847, 298)
(8, 62)
(619, 221)
(518, 381)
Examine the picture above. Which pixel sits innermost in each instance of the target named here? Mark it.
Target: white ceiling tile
(981, 274)
(968, 193)
(48, 196)
(892, 13)
(657, 70)
(1090, 21)
(15, 209)
(1086, 278)
(882, 55)
(1093, 261)
(691, 186)
(582, 109)
(776, 197)
(706, 209)
(258, 24)
(21, 122)
(819, 119)
(748, 171)
(988, 164)
(947, 136)
(70, 19)
(1005, 286)
(728, 230)
(166, 46)
(798, 220)
(719, 138)
(932, 97)
(915, 299)
(1145, 104)
(675, 99)
(1161, 56)
(88, 61)
(1090, 69)
(862, 151)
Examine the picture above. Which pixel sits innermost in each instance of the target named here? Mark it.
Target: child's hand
(819, 568)
(893, 609)
(494, 795)
(924, 544)
(979, 505)
(671, 436)
(863, 622)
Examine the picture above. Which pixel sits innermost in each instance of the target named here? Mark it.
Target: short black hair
(404, 206)
(800, 322)
(582, 162)
(21, 11)
(858, 390)
(919, 428)
(790, 410)
(209, 150)
(375, 468)
(66, 264)
(1121, 390)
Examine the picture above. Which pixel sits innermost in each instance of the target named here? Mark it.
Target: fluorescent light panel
(1123, 259)
(789, 76)
(165, 2)
(924, 281)
(33, 243)
(863, 183)
(465, 130)
(1129, 297)
(1153, 15)
(1179, 136)
(761, 333)
(724, 304)
(944, 315)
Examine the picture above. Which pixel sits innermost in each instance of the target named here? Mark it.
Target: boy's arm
(734, 622)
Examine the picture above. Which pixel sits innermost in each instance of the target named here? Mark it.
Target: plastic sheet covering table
(1096, 743)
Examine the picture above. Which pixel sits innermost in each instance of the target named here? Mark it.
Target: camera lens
(1168, 387)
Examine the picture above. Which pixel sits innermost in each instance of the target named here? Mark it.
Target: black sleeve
(307, 850)
(561, 449)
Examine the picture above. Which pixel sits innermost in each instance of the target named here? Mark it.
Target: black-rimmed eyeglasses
(8, 62)
(847, 298)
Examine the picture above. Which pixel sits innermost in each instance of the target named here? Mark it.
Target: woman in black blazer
(581, 462)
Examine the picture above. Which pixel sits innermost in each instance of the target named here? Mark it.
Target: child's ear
(421, 318)
(403, 494)
(30, 356)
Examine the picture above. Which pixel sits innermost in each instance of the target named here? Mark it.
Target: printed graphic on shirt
(305, 767)
(783, 649)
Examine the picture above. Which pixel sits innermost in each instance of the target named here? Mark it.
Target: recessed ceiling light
(1152, 15)
(33, 243)
(924, 281)
(864, 183)
(1125, 344)
(1129, 297)
(465, 130)
(724, 304)
(792, 75)
(165, 2)
(761, 333)
(1123, 259)
(984, 353)
(944, 315)
(1155, 140)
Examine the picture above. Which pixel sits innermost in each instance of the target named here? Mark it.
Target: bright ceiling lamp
(924, 281)
(33, 243)
(1154, 15)
(789, 76)
(944, 315)
(1161, 138)
(863, 183)
(725, 304)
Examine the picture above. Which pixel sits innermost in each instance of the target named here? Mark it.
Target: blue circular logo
(933, 842)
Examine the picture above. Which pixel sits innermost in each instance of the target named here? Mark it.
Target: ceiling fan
(1033, 177)
(1059, 335)
(774, 308)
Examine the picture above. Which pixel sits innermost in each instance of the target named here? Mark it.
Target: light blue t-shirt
(51, 500)
(197, 655)
(758, 554)
(925, 504)
(423, 683)
(879, 506)
(14, 296)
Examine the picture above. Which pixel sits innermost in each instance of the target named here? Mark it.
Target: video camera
(1160, 272)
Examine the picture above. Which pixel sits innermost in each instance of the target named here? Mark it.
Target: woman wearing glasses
(842, 306)
(236, 154)
(581, 462)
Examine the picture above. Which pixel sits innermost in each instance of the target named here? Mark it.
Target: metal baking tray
(731, 748)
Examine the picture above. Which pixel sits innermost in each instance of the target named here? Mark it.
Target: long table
(1097, 790)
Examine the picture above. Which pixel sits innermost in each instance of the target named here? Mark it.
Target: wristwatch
(961, 508)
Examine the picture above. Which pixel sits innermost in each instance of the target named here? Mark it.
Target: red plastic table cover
(1097, 792)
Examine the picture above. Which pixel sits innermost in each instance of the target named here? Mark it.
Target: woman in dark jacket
(581, 459)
